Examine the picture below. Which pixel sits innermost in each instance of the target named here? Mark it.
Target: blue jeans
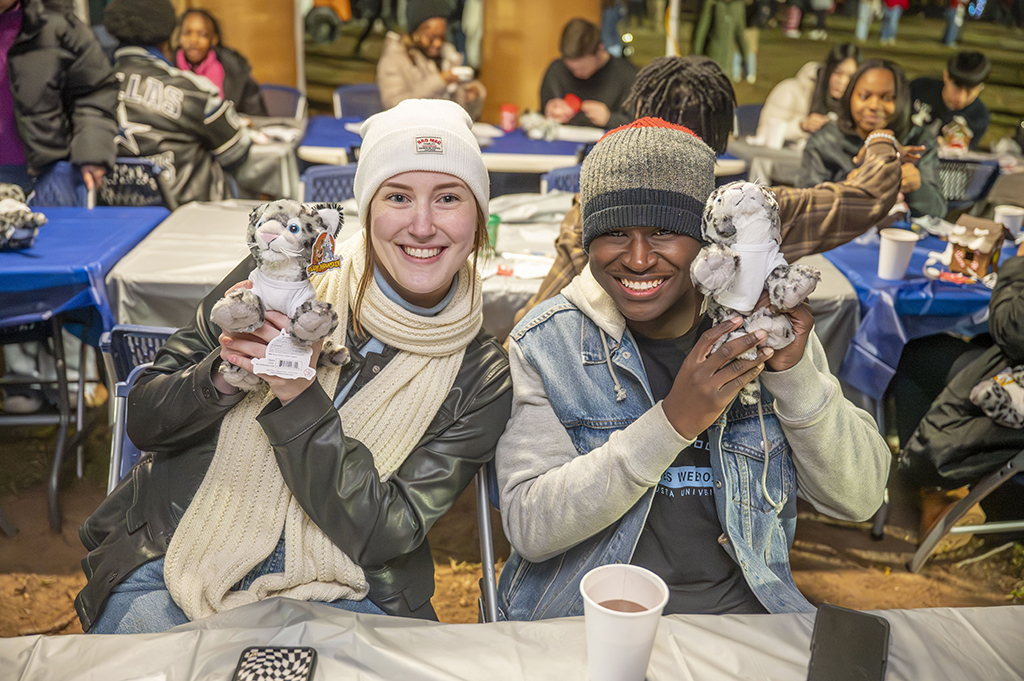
(890, 22)
(610, 29)
(865, 16)
(141, 604)
(954, 22)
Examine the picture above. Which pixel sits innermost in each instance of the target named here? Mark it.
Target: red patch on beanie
(650, 122)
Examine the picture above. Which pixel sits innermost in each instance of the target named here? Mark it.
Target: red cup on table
(509, 115)
(574, 102)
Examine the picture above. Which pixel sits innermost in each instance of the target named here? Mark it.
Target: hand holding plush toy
(741, 222)
(282, 237)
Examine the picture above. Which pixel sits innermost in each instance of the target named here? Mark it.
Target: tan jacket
(406, 73)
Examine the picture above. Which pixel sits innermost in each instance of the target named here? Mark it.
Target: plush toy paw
(778, 327)
(240, 311)
(790, 285)
(714, 269)
(239, 377)
(750, 393)
(313, 320)
(1002, 397)
(333, 355)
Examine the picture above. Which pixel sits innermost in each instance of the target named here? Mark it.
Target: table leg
(7, 526)
(80, 411)
(64, 406)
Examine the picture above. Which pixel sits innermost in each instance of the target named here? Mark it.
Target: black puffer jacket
(956, 444)
(175, 412)
(239, 85)
(64, 90)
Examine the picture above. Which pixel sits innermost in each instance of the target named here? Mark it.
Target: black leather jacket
(175, 413)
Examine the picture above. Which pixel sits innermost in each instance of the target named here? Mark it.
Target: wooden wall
(264, 31)
(520, 40)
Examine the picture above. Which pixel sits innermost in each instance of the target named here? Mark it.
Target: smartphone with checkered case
(276, 663)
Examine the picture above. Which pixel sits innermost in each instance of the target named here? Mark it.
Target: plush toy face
(18, 224)
(285, 230)
(741, 213)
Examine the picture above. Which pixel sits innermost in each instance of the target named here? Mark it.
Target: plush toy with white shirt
(18, 224)
(742, 259)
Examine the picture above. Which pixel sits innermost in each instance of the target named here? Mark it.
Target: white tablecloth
(942, 644)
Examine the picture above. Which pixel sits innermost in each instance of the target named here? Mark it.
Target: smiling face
(430, 36)
(874, 101)
(423, 227)
(197, 37)
(840, 78)
(646, 271)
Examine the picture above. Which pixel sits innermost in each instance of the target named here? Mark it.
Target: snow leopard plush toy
(18, 224)
(742, 259)
(1002, 397)
(281, 237)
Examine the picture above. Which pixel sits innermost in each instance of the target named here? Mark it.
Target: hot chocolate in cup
(622, 605)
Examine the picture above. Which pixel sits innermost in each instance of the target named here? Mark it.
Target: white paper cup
(776, 134)
(463, 73)
(894, 251)
(619, 643)
(1010, 217)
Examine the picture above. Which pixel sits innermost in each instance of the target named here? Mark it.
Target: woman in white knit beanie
(321, 489)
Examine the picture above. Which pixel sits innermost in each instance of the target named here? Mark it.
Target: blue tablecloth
(894, 312)
(64, 272)
(327, 131)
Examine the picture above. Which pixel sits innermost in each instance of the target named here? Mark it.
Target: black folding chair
(328, 183)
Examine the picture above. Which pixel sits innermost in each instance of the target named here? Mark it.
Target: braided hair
(689, 91)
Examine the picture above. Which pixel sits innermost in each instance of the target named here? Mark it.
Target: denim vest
(566, 349)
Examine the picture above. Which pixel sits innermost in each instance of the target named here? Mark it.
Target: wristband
(881, 136)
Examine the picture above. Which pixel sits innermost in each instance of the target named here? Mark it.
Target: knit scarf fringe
(236, 517)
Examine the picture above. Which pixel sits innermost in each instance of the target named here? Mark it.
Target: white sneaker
(23, 404)
(818, 34)
(792, 33)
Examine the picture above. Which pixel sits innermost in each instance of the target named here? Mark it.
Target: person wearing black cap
(950, 107)
(422, 65)
(174, 117)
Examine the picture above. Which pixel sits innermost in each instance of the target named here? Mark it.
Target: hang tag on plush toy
(286, 358)
(323, 255)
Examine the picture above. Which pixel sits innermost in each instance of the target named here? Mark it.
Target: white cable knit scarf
(235, 519)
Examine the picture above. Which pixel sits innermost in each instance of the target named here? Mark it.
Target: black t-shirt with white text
(930, 110)
(679, 542)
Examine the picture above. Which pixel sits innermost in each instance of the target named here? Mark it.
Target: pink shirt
(12, 151)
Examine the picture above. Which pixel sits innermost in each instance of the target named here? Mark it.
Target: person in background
(336, 479)
(950, 108)
(421, 64)
(720, 28)
(201, 51)
(587, 86)
(626, 443)
(612, 12)
(57, 99)
(894, 9)
(169, 115)
(808, 101)
(877, 99)
(954, 22)
(694, 92)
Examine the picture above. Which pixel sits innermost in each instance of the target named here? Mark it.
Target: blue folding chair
(561, 179)
(328, 183)
(964, 183)
(357, 101)
(283, 101)
(61, 186)
(747, 117)
(131, 349)
(128, 350)
(136, 182)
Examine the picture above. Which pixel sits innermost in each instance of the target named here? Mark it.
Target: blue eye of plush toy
(293, 227)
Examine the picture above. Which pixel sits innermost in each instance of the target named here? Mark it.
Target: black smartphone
(848, 645)
(277, 663)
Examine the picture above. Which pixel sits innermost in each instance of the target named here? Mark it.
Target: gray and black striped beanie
(649, 173)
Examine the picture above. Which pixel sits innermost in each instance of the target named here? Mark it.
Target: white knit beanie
(419, 134)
